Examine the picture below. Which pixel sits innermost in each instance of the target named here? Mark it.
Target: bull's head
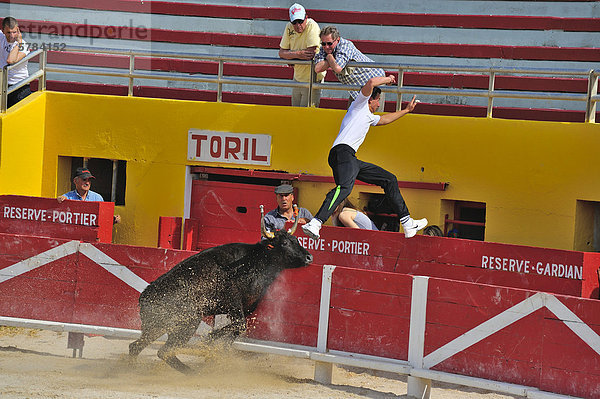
(268, 234)
(283, 245)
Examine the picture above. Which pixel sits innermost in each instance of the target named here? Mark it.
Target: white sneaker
(312, 228)
(411, 228)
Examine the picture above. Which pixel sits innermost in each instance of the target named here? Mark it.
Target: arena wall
(530, 341)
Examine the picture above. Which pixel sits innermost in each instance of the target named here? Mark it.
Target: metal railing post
(43, 64)
(399, 93)
(312, 78)
(131, 71)
(113, 188)
(490, 105)
(590, 109)
(4, 94)
(220, 85)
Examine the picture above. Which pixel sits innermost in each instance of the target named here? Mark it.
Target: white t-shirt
(15, 75)
(356, 123)
(5, 47)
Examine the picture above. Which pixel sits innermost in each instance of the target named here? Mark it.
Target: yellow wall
(22, 147)
(529, 174)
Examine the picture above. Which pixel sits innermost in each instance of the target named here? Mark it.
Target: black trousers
(346, 170)
(18, 95)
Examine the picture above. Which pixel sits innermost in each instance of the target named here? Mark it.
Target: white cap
(297, 12)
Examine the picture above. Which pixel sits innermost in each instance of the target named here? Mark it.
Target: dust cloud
(37, 364)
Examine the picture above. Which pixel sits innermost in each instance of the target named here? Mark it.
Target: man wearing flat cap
(82, 192)
(275, 219)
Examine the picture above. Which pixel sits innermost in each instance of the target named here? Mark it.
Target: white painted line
(324, 308)
(484, 330)
(272, 349)
(513, 389)
(69, 327)
(38, 260)
(113, 267)
(547, 395)
(418, 307)
(382, 365)
(576, 325)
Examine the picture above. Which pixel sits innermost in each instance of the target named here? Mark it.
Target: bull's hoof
(181, 367)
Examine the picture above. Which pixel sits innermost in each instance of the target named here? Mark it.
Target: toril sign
(210, 146)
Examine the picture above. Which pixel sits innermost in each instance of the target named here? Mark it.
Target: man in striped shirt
(335, 53)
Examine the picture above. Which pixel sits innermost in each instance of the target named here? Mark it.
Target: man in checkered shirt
(335, 53)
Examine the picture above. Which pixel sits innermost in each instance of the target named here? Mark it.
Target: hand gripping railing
(590, 98)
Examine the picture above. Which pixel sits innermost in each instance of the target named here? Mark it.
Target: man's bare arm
(367, 89)
(305, 54)
(393, 116)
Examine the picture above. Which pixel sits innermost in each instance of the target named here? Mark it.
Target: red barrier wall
(74, 282)
(518, 266)
(169, 232)
(36, 216)
(504, 334)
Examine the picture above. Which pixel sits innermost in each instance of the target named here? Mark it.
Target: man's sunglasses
(297, 21)
(327, 43)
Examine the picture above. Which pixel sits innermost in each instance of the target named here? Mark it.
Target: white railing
(588, 100)
(39, 74)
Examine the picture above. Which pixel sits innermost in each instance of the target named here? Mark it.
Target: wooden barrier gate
(511, 340)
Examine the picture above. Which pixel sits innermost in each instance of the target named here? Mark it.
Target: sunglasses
(297, 21)
(327, 43)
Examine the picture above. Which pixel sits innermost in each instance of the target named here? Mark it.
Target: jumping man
(347, 168)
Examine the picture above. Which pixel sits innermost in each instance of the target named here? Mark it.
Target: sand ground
(37, 364)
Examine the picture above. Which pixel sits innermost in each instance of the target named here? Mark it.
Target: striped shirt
(344, 52)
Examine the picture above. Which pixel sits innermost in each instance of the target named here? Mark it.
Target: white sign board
(242, 148)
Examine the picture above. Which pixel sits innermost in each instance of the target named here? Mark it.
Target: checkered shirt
(344, 52)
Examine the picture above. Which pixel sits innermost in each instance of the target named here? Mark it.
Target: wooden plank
(368, 333)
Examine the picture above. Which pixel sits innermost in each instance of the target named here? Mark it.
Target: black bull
(229, 279)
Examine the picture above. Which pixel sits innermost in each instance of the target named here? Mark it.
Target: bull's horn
(292, 229)
(263, 230)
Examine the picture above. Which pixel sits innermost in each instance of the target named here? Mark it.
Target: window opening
(110, 177)
(468, 221)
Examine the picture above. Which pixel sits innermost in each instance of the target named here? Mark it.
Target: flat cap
(284, 189)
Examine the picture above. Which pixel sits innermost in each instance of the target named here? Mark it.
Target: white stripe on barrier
(418, 307)
(38, 260)
(418, 387)
(510, 316)
(484, 330)
(69, 248)
(113, 267)
(572, 321)
(324, 308)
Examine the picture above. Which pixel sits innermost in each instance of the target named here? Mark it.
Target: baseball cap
(284, 189)
(84, 173)
(297, 12)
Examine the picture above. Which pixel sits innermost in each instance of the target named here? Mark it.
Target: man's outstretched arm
(392, 116)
